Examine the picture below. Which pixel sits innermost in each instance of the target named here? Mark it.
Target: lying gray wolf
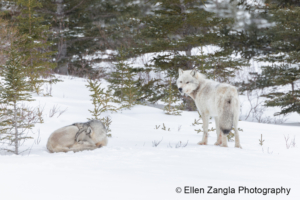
(213, 99)
(88, 136)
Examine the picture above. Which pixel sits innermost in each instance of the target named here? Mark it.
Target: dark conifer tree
(36, 46)
(282, 69)
(85, 29)
(173, 29)
(124, 81)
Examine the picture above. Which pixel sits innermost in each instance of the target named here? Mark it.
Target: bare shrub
(289, 143)
(280, 119)
(56, 109)
(257, 109)
(39, 112)
(157, 126)
(38, 139)
(179, 127)
(48, 90)
(155, 143)
(61, 112)
(268, 151)
(53, 111)
(164, 127)
(178, 145)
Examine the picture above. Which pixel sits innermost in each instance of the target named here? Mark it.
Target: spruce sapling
(171, 98)
(123, 82)
(100, 100)
(17, 119)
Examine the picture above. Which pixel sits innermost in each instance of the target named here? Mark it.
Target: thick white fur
(63, 139)
(213, 99)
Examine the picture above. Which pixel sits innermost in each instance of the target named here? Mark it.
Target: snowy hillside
(130, 167)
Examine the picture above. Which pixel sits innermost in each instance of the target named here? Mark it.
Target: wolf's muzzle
(180, 90)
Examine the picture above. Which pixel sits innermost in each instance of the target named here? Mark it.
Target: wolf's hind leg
(236, 132)
(219, 135)
(224, 140)
(205, 119)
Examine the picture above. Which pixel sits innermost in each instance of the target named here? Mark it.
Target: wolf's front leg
(236, 132)
(205, 119)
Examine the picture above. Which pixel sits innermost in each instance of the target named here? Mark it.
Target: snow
(131, 168)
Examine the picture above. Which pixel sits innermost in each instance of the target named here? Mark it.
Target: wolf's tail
(228, 110)
(49, 147)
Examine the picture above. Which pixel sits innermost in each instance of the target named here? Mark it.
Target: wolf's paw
(238, 146)
(218, 143)
(99, 144)
(222, 145)
(202, 143)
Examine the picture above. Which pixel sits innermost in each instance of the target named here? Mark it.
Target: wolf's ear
(180, 71)
(89, 130)
(193, 72)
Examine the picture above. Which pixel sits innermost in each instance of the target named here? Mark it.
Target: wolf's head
(189, 81)
(83, 128)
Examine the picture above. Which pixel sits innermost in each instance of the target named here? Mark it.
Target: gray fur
(218, 100)
(78, 137)
(84, 130)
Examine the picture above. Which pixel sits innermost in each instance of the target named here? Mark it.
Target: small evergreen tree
(124, 82)
(117, 79)
(83, 29)
(35, 46)
(130, 91)
(171, 98)
(100, 100)
(16, 118)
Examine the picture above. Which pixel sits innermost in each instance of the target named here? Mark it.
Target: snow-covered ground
(131, 168)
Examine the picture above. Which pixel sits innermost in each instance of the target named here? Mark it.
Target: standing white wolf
(213, 99)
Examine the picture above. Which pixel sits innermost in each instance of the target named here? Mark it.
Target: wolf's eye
(187, 82)
(180, 82)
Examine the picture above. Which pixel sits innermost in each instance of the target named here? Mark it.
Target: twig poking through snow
(56, 109)
(288, 144)
(156, 143)
(38, 139)
(179, 127)
(53, 111)
(179, 144)
(61, 112)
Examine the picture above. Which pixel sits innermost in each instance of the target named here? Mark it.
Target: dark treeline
(79, 34)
